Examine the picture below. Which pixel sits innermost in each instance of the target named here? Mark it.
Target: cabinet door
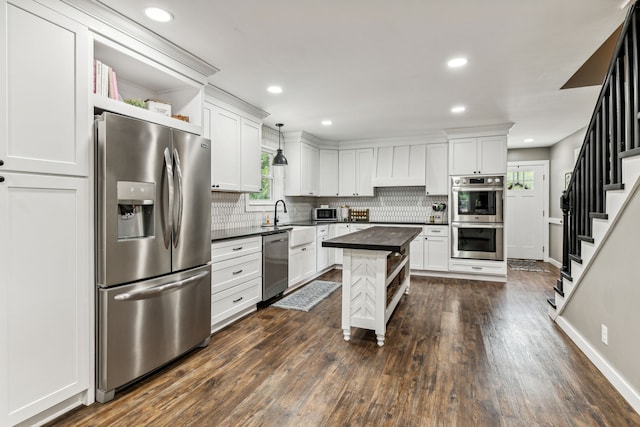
(463, 156)
(295, 266)
(250, 156)
(308, 260)
(225, 149)
(364, 172)
(339, 230)
(417, 253)
(46, 293)
(436, 253)
(492, 155)
(436, 173)
(309, 159)
(45, 122)
(329, 184)
(347, 172)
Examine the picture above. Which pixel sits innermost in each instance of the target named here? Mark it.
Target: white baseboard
(627, 391)
(553, 262)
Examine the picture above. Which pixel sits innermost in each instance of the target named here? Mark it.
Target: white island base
(369, 293)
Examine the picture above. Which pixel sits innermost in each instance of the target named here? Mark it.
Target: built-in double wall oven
(477, 228)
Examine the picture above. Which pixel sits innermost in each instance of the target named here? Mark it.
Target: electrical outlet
(605, 335)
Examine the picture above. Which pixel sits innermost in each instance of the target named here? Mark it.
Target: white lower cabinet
(302, 263)
(436, 248)
(236, 279)
(46, 296)
(417, 253)
(324, 256)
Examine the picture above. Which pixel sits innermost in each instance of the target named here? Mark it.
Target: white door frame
(545, 200)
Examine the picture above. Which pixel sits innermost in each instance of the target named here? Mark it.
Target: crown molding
(234, 101)
(105, 15)
(269, 133)
(307, 138)
(501, 129)
(428, 138)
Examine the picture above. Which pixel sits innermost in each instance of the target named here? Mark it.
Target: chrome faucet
(275, 213)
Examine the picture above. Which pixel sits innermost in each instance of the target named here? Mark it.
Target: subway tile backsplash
(401, 204)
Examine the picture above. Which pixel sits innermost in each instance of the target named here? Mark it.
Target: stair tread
(599, 215)
(630, 153)
(566, 276)
(584, 238)
(552, 302)
(613, 186)
(558, 291)
(575, 258)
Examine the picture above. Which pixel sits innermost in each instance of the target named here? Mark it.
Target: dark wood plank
(458, 352)
(376, 238)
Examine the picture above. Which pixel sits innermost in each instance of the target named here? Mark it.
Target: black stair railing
(613, 133)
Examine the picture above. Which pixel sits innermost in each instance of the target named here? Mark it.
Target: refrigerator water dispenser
(136, 201)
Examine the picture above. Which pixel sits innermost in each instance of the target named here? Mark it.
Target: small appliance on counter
(358, 214)
(325, 213)
(438, 213)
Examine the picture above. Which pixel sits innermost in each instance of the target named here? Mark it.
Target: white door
(525, 210)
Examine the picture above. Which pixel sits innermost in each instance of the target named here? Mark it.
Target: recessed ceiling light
(274, 89)
(326, 122)
(158, 14)
(458, 109)
(528, 140)
(457, 62)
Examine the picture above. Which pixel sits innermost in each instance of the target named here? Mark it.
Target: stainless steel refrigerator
(153, 248)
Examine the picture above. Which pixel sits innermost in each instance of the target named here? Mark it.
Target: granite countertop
(236, 233)
(376, 238)
(314, 223)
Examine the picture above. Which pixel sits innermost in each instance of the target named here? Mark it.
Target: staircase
(607, 169)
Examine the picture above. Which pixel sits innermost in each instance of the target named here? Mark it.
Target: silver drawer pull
(477, 268)
(238, 300)
(436, 231)
(238, 248)
(304, 249)
(238, 272)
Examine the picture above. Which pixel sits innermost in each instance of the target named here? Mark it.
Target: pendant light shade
(279, 159)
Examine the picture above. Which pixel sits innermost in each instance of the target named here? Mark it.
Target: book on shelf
(105, 81)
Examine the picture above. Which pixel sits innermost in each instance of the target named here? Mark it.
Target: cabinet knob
(1, 178)
(1, 162)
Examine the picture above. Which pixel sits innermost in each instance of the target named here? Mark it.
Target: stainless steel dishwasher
(275, 264)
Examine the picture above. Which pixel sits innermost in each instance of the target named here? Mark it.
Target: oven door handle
(476, 225)
(469, 189)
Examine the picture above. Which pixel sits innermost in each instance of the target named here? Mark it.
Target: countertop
(235, 233)
(382, 223)
(376, 238)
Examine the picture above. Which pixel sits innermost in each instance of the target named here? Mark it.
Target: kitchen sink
(301, 235)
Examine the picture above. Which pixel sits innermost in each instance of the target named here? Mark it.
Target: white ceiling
(377, 68)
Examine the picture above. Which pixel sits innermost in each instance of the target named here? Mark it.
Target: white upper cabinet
(301, 174)
(402, 165)
(356, 169)
(235, 149)
(485, 156)
(329, 184)
(225, 148)
(436, 173)
(250, 156)
(45, 120)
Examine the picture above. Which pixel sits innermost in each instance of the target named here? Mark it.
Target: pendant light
(279, 159)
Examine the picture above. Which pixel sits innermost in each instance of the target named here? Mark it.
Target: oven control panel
(477, 181)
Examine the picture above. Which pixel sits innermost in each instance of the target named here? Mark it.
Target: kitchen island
(375, 275)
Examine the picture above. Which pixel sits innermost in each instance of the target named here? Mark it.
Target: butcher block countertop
(393, 239)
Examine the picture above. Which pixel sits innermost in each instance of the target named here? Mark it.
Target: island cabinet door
(45, 122)
(417, 253)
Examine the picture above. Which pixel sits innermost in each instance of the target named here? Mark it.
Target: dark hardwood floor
(457, 353)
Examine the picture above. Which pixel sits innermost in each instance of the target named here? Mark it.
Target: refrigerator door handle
(169, 168)
(146, 293)
(178, 220)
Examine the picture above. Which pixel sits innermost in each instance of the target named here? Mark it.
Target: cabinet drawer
(479, 268)
(439, 230)
(227, 249)
(231, 301)
(229, 273)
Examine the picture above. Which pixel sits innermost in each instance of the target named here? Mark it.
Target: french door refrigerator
(153, 248)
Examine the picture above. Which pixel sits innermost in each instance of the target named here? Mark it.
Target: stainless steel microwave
(325, 214)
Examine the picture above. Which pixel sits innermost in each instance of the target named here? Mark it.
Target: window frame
(252, 205)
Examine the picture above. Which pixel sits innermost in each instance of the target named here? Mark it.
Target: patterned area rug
(308, 296)
(524, 265)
